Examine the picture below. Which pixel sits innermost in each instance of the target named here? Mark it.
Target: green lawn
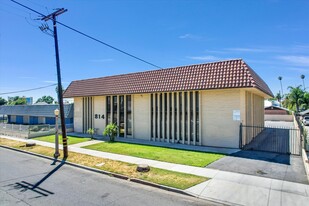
(159, 176)
(199, 159)
(71, 139)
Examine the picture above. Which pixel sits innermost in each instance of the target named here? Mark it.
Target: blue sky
(272, 36)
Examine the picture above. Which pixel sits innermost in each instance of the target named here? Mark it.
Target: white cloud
(54, 82)
(205, 58)
(27, 77)
(189, 36)
(246, 50)
(295, 28)
(101, 60)
(265, 49)
(49, 81)
(300, 70)
(300, 48)
(216, 51)
(295, 60)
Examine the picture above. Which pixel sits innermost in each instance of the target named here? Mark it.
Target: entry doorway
(119, 112)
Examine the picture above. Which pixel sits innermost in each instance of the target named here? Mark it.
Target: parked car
(306, 120)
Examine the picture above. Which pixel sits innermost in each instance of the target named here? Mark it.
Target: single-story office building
(200, 104)
(35, 114)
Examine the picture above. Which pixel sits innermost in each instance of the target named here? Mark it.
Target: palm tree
(305, 101)
(280, 79)
(295, 97)
(303, 77)
(279, 97)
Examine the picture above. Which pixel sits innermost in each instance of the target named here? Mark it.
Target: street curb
(171, 189)
(111, 174)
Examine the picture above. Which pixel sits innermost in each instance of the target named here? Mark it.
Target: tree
(295, 98)
(17, 100)
(47, 99)
(279, 97)
(91, 131)
(56, 89)
(111, 131)
(3, 101)
(303, 77)
(305, 101)
(280, 79)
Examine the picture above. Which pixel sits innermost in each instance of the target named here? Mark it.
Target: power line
(18, 15)
(90, 37)
(16, 8)
(108, 45)
(28, 89)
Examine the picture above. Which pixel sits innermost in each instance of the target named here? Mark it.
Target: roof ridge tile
(222, 74)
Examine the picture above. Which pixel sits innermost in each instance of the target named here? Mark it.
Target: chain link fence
(31, 131)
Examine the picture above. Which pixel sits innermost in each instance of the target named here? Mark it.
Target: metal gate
(270, 139)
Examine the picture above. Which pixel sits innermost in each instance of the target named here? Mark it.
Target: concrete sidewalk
(226, 187)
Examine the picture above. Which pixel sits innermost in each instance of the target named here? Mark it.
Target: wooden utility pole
(52, 17)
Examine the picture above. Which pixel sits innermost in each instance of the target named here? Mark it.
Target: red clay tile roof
(217, 75)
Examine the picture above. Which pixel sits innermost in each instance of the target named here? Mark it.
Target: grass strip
(178, 156)
(71, 139)
(159, 176)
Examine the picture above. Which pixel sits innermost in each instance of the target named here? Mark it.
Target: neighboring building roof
(276, 110)
(36, 110)
(40, 103)
(217, 75)
(276, 107)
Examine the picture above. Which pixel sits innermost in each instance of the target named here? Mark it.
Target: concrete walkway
(87, 143)
(226, 187)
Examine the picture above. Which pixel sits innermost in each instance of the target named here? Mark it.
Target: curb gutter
(111, 174)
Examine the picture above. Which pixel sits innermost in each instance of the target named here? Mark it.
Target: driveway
(264, 164)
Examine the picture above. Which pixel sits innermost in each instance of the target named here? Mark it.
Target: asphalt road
(30, 180)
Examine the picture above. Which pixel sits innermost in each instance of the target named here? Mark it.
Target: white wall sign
(236, 115)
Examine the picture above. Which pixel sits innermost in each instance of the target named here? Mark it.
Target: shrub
(91, 131)
(111, 131)
(34, 128)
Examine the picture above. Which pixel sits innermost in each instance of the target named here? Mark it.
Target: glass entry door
(118, 111)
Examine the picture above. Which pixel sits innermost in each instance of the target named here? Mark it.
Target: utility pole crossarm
(54, 14)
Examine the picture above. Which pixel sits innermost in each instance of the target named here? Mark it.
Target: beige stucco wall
(253, 109)
(141, 116)
(78, 114)
(217, 124)
(216, 115)
(100, 109)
